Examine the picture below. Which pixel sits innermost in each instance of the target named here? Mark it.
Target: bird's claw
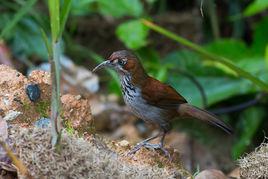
(150, 146)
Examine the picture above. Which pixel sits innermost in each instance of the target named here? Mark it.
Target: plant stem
(213, 19)
(206, 54)
(55, 98)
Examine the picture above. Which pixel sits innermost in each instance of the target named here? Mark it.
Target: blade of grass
(208, 55)
(64, 14)
(17, 17)
(54, 11)
(45, 39)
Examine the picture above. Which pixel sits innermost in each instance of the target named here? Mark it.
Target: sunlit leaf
(54, 11)
(64, 14)
(133, 33)
(207, 55)
(229, 48)
(256, 7)
(260, 37)
(121, 8)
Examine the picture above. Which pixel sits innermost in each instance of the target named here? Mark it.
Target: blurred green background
(235, 30)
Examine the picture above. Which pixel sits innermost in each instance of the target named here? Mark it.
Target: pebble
(33, 92)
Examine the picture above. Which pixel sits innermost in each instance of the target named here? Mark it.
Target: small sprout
(33, 92)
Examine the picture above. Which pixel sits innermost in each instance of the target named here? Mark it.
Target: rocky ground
(85, 154)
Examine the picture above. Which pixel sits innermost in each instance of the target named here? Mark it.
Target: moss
(42, 108)
(91, 128)
(26, 106)
(160, 164)
(68, 126)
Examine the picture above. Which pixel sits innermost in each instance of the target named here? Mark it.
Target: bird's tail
(186, 110)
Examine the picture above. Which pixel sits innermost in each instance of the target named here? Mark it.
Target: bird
(153, 101)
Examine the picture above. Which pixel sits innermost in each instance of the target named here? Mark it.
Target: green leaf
(207, 55)
(28, 31)
(133, 33)
(234, 50)
(17, 17)
(266, 56)
(45, 39)
(216, 84)
(249, 122)
(82, 7)
(64, 14)
(216, 88)
(229, 48)
(120, 8)
(191, 62)
(54, 12)
(260, 37)
(255, 7)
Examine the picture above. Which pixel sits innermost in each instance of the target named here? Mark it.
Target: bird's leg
(159, 146)
(148, 145)
(142, 143)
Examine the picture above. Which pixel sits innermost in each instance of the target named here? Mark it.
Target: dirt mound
(78, 158)
(255, 164)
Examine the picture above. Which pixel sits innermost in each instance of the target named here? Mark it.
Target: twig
(18, 163)
(238, 107)
(197, 84)
(207, 55)
(201, 8)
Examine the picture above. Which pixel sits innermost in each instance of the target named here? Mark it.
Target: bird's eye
(122, 62)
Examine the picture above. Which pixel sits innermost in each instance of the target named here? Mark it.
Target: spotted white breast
(133, 99)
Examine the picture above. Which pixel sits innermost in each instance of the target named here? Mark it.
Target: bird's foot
(150, 146)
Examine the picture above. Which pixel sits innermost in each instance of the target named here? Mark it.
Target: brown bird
(151, 100)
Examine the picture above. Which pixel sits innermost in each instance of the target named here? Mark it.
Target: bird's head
(123, 61)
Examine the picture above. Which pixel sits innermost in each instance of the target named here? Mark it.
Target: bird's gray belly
(148, 113)
(133, 99)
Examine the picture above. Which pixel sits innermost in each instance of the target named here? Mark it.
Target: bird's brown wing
(161, 95)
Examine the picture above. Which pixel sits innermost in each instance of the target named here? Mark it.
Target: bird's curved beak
(101, 65)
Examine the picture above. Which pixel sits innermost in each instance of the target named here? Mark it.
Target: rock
(3, 129)
(33, 92)
(76, 111)
(235, 173)
(108, 114)
(123, 143)
(211, 174)
(17, 107)
(12, 93)
(42, 123)
(128, 132)
(11, 115)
